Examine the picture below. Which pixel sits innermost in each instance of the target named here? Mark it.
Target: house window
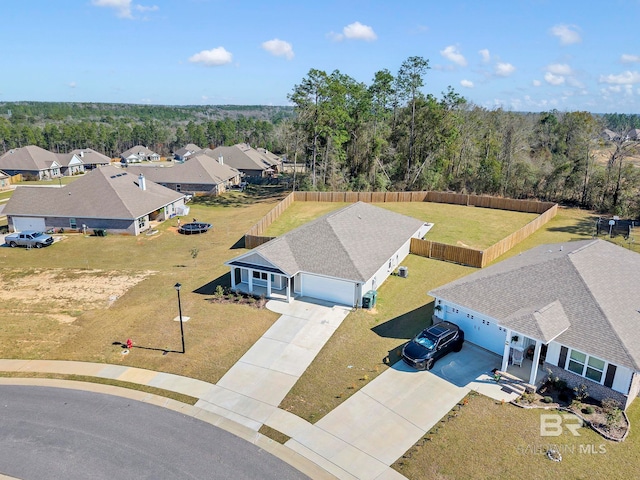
(73, 223)
(576, 362)
(585, 366)
(141, 222)
(178, 187)
(259, 275)
(595, 367)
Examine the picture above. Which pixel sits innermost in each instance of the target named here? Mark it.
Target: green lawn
(453, 224)
(485, 440)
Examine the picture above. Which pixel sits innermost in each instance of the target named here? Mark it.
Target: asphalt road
(54, 433)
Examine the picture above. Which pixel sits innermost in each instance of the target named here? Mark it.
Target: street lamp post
(177, 287)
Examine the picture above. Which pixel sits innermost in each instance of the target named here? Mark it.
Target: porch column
(288, 289)
(233, 278)
(268, 285)
(534, 364)
(505, 353)
(250, 281)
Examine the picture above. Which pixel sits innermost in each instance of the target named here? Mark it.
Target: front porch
(261, 291)
(524, 372)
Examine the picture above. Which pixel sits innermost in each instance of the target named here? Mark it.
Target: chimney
(142, 182)
(221, 160)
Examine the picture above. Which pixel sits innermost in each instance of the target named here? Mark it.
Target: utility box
(100, 232)
(369, 299)
(403, 272)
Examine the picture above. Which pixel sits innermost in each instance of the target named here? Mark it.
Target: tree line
(385, 135)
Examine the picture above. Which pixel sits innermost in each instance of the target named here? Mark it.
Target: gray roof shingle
(351, 243)
(592, 287)
(200, 169)
(106, 192)
(29, 158)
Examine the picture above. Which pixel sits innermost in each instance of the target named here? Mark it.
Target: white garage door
(332, 290)
(482, 332)
(28, 223)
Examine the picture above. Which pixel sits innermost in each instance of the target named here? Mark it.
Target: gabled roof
(351, 243)
(240, 157)
(200, 169)
(585, 294)
(66, 159)
(91, 157)
(29, 158)
(138, 150)
(3, 174)
(107, 192)
(188, 148)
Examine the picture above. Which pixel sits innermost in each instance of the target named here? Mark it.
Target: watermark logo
(552, 424)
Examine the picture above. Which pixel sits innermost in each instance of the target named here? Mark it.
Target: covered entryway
(330, 289)
(28, 223)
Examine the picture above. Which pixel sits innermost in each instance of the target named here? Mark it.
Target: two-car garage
(21, 224)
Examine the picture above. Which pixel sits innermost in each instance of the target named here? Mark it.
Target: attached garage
(28, 223)
(481, 331)
(330, 289)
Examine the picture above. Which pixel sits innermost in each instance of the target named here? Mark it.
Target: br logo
(551, 424)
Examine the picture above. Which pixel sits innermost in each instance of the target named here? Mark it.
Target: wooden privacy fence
(425, 248)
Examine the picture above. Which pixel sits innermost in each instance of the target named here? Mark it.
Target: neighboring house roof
(583, 294)
(68, 159)
(29, 158)
(189, 149)
(271, 157)
(91, 157)
(138, 151)
(352, 243)
(200, 169)
(240, 157)
(107, 192)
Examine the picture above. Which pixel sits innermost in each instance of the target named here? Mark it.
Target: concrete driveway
(380, 422)
(253, 388)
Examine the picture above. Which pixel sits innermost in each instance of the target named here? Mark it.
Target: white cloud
(504, 69)
(486, 56)
(552, 79)
(355, 31)
(628, 58)
(72, 85)
(466, 83)
(625, 78)
(536, 83)
(451, 53)
(123, 7)
(279, 48)
(566, 33)
(559, 69)
(213, 57)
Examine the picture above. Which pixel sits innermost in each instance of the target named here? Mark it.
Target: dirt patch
(57, 290)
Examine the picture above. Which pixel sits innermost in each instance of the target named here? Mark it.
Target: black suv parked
(431, 344)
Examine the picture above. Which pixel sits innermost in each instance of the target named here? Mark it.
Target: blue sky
(528, 55)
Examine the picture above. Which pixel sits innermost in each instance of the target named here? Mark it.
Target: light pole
(177, 287)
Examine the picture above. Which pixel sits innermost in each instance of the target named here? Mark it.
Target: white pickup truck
(28, 238)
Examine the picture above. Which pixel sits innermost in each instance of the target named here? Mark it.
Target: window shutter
(562, 361)
(611, 373)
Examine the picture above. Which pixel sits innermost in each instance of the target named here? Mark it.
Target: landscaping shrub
(588, 410)
(547, 399)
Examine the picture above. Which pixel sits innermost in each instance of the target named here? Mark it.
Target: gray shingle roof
(200, 169)
(595, 284)
(352, 243)
(240, 157)
(139, 150)
(107, 192)
(29, 158)
(91, 157)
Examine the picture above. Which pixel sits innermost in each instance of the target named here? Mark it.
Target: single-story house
(70, 164)
(338, 257)
(575, 307)
(139, 153)
(201, 175)
(32, 162)
(185, 152)
(5, 180)
(91, 159)
(245, 159)
(106, 198)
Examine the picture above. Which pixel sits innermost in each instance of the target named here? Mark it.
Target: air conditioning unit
(403, 272)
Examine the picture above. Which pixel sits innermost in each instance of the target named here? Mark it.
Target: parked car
(194, 227)
(28, 238)
(431, 344)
